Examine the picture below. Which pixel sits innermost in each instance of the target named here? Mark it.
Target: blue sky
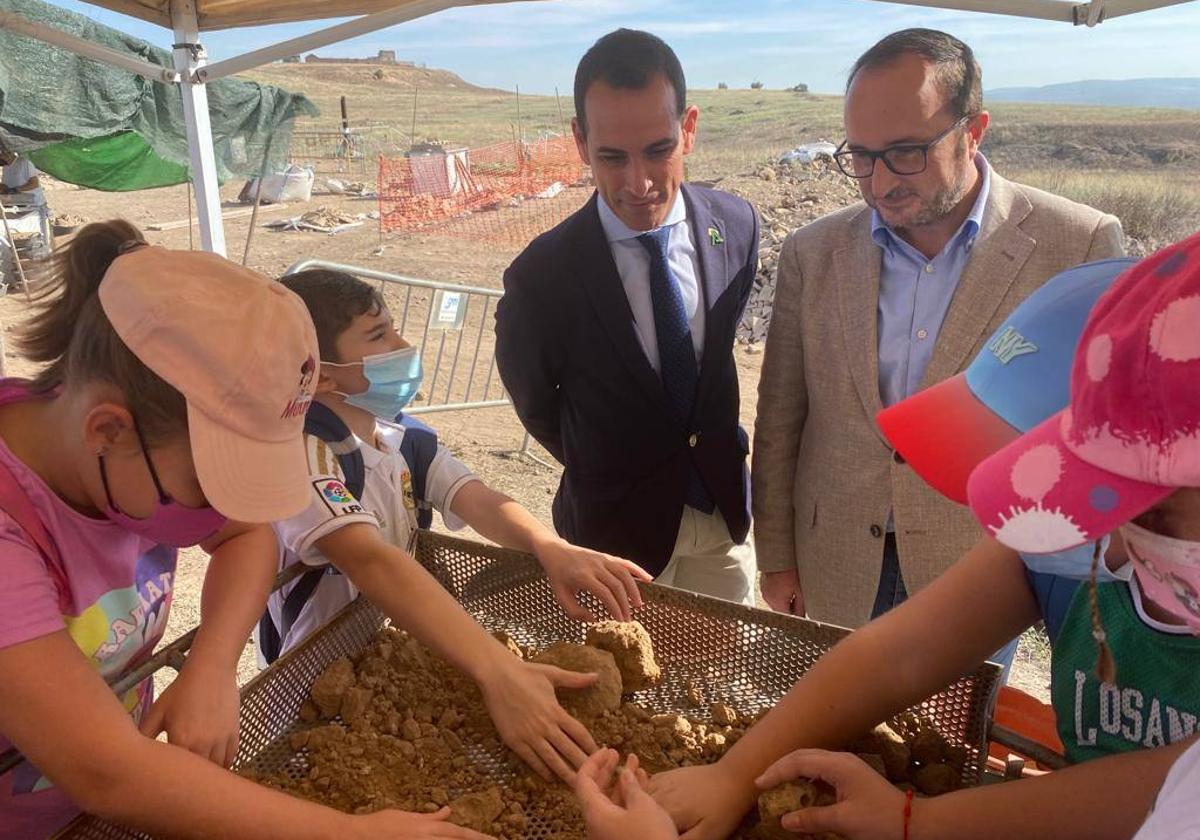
(779, 42)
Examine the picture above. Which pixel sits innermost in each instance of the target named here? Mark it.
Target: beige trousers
(706, 560)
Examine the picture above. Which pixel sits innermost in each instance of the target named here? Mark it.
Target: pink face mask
(171, 523)
(1168, 570)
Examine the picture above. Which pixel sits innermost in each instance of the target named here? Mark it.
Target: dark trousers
(891, 593)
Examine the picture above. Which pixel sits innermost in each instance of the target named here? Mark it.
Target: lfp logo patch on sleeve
(337, 498)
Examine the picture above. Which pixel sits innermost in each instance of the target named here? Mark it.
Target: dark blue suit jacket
(581, 384)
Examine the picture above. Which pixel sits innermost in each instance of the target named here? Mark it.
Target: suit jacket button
(897, 457)
(876, 531)
(693, 440)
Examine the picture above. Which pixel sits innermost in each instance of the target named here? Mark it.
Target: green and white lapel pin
(714, 237)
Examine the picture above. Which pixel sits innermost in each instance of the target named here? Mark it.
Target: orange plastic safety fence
(508, 192)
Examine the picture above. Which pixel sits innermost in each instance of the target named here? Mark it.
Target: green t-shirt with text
(1156, 700)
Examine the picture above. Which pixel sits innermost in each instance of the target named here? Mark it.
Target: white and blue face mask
(1076, 564)
(393, 379)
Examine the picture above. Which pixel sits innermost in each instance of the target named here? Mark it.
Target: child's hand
(868, 807)
(706, 802)
(628, 811)
(199, 712)
(408, 826)
(520, 698)
(572, 569)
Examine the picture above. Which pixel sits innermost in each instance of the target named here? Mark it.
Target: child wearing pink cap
(1124, 457)
(154, 424)
(989, 587)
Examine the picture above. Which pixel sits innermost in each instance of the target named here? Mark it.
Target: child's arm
(199, 710)
(1108, 797)
(571, 569)
(63, 718)
(519, 695)
(942, 632)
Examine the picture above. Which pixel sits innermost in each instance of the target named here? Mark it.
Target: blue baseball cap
(1021, 377)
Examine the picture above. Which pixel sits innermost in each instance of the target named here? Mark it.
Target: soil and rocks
(396, 727)
(788, 196)
(630, 646)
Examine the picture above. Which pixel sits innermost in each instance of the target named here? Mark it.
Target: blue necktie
(676, 355)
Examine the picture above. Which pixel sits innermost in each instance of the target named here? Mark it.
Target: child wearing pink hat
(1124, 457)
(1050, 501)
(169, 409)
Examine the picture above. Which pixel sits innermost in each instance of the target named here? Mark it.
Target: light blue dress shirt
(915, 294)
(633, 265)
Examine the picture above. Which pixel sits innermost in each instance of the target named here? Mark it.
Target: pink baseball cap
(242, 350)
(1131, 435)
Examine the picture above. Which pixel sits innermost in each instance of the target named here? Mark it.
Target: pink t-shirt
(113, 603)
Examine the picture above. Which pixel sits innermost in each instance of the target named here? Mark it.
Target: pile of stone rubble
(788, 195)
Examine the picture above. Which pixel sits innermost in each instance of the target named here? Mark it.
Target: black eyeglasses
(902, 159)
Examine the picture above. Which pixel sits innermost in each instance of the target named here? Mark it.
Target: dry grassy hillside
(1142, 164)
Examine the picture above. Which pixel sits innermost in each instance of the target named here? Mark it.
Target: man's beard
(938, 207)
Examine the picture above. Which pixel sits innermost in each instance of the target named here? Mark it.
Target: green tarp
(91, 124)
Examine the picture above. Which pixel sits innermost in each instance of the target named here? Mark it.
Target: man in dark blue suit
(614, 337)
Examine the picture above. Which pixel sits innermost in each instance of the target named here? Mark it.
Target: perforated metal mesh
(745, 657)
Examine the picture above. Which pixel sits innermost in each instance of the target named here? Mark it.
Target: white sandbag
(293, 184)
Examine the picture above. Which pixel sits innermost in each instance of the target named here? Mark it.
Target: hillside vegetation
(1141, 163)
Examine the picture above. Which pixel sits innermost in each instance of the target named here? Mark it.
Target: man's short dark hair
(628, 59)
(958, 72)
(334, 299)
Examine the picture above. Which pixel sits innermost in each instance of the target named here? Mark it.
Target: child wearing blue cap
(1020, 378)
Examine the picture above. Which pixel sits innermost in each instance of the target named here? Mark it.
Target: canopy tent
(104, 128)
(187, 18)
(223, 14)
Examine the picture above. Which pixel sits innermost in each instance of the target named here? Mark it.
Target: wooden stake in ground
(12, 243)
(258, 190)
(558, 102)
(413, 135)
(520, 128)
(345, 149)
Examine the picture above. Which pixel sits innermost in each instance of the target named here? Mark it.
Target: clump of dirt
(396, 727)
(789, 797)
(602, 696)
(913, 754)
(630, 645)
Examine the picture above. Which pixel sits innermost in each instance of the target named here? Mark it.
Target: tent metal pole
(325, 37)
(189, 57)
(97, 52)
(1081, 14)
(1060, 10)
(1117, 8)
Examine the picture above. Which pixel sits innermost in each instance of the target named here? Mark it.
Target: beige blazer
(824, 478)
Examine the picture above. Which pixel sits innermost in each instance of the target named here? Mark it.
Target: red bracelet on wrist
(908, 796)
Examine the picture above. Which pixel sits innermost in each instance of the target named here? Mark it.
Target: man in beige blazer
(877, 301)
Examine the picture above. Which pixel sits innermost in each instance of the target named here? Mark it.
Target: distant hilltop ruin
(386, 57)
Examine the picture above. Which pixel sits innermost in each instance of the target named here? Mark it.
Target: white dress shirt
(633, 264)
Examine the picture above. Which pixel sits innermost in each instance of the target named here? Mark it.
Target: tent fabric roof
(224, 14)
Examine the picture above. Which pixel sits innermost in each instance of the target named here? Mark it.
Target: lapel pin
(714, 236)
